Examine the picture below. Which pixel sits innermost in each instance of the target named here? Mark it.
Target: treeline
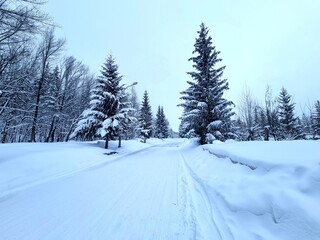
(276, 118)
(49, 97)
(45, 95)
(42, 92)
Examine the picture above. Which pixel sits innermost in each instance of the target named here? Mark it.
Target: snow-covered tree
(161, 128)
(133, 125)
(48, 49)
(103, 118)
(272, 128)
(306, 122)
(206, 112)
(249, 114)
(316, 120)
(287, 120)
(145, 118)
(127, 115)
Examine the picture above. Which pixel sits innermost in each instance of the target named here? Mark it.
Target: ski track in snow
(206, 212)
(161, 190)
(142, 195)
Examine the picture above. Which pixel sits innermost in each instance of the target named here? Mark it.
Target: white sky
(273, 42)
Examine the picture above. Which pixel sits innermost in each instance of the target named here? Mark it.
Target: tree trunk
(71, 129)
(4, 133)
(119, 145)
(51, 131)
(106, 146)
(36, 111)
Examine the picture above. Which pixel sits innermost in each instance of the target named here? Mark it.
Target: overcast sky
(274, 42)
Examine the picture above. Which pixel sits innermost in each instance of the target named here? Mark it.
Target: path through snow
(142, 196)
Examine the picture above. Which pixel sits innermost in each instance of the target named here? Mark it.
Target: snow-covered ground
(169, 189)
(260, 190)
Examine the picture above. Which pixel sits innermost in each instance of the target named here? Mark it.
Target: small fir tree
(287, 120)
(145, 118)
(161, 124)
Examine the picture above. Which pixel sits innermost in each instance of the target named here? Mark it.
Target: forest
(47, 96)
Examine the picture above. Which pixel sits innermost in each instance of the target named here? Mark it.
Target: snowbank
(260, 190)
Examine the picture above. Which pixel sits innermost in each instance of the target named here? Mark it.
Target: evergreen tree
(127, 115)
(287, 119)
(316, 120)
(145, 118)
(206, 112)
(102, 119)
(133, 125)
(161, 124)
(185, 128)
(272, 128)
(265, 128)
(306, 122)
(240, 130)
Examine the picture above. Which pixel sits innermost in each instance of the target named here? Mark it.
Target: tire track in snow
(143, 197)
(218, 223)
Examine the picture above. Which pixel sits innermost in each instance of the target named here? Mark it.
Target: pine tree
(286, 115)
(102, 118)
(316, 120)
(145, 118)
(161, 124)
(206, 112)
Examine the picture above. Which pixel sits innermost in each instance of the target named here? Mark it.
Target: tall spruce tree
(206, 112)
(145, 118)
(102, 119)
(287, 120)
(161, 124)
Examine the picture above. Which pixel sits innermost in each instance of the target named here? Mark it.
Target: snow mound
(261, 190)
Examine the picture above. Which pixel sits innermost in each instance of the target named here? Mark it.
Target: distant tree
(316, 120)
(127, 115)
(206, 112)
(161, 129)
(287, 120)
(145, 118)
(306, 122)
(249, 114)
(272, 128)
(265, 128)
(133, 125)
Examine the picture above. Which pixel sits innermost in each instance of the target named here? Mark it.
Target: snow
(164, 189)
(260, 190)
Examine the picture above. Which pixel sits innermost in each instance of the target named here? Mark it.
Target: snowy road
(142, 196)
(171, 189)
